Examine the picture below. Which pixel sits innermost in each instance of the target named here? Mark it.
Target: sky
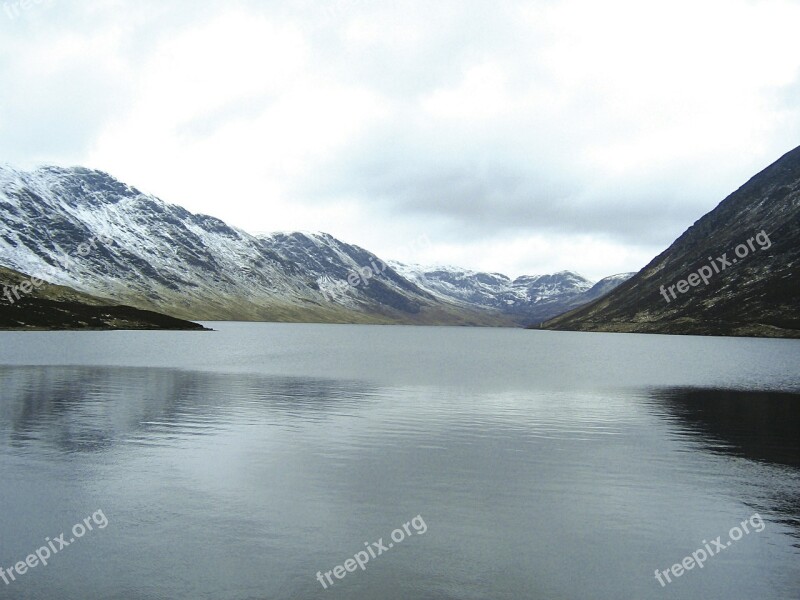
(520, 137)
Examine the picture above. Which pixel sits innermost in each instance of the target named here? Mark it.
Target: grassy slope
(58, 307)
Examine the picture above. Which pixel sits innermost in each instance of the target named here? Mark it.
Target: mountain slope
(47, 306)
(86, 230)
(736, 271)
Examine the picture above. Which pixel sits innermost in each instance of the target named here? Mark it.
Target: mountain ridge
(160, 256)
(756, 294)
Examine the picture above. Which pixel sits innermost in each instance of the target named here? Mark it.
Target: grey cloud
(484, 185)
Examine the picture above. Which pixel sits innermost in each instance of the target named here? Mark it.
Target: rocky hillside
(736, 271)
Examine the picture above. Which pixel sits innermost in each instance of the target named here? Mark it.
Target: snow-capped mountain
(605, 285)
(86, 230)
(530, 298)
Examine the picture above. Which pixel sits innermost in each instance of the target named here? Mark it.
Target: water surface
(236, 464)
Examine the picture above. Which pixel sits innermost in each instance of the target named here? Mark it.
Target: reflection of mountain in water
(89, 409)
(762, 426)
(756, 425)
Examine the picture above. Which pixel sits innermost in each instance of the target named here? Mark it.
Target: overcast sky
(518, 137)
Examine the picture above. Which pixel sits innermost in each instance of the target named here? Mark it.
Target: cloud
(542, 135)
